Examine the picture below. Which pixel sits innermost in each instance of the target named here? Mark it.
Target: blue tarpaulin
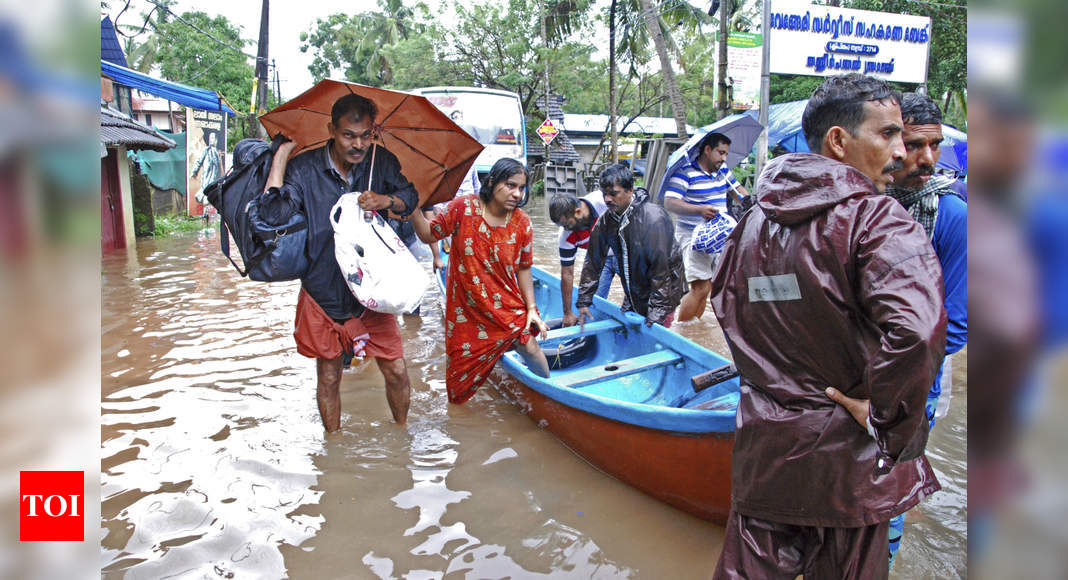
(784, 125)
(203, 99)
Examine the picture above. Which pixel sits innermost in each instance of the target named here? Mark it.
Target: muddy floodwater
(215, 465)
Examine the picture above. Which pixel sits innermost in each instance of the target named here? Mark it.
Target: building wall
(127, 198)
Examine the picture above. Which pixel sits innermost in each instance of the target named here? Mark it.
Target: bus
(493, 117)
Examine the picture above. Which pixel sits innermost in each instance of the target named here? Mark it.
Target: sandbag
(378, 268)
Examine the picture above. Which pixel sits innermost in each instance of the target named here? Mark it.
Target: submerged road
(215, 463)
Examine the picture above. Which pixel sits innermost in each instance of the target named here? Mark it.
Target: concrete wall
(127, 198)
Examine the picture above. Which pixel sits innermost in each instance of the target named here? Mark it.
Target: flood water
(215, 464)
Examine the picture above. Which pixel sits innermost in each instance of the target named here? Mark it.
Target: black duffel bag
(270, 252)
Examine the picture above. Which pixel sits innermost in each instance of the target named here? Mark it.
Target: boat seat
(619, 368)
(595, 327)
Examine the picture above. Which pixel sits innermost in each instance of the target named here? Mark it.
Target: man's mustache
(355, 151)
(894, 166)
(922, 170)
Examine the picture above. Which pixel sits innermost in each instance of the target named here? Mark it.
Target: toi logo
(51, 506)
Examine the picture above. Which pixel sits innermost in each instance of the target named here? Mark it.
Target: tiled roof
(110, 49)
(118, 129)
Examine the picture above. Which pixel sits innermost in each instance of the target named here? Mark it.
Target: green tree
(947, 68)
(141, 43)
(421, 61)
(491, 48)
(632, 27)
(698, 82)
(363, 45)
(786, 88)
(392, 24)
(682, 14)
(336, 43)
(189, 56)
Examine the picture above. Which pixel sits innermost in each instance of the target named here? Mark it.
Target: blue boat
(620, 395)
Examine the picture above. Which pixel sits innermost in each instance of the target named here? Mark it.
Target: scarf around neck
(922, 204)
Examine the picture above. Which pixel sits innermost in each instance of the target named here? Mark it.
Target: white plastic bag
(379, 269)
(711, 235)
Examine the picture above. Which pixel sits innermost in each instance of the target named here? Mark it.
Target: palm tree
(678, 108)
(392, 23)
(635, 23)
(142, 55)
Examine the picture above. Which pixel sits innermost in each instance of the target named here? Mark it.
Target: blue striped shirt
(693, 185)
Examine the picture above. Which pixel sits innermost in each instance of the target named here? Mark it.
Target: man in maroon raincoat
(831, 302)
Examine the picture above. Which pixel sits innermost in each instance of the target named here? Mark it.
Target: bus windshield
(492, 119)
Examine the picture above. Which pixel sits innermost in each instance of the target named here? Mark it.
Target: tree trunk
(614, 150)
(678, 108)
(723, 106)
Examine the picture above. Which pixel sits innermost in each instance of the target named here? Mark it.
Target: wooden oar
(713, 377)
(705, 380)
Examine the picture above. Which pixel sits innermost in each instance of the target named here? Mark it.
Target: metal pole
(277, 83)
(545, 39)
(722, 105)
(261, 70)
(765, 90)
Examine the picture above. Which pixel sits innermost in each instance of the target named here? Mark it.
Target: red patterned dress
(485, 312)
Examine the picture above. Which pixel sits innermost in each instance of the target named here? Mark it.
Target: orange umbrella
(434, 152)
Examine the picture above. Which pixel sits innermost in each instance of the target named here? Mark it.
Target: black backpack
(270, 252)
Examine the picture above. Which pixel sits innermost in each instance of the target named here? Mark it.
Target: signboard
(205, 152)
(548, 131)
(743, 69)
(824, 41)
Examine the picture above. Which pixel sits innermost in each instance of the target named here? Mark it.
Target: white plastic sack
(711, 235)
(379, 269)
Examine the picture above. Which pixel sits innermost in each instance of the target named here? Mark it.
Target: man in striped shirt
(695, 193)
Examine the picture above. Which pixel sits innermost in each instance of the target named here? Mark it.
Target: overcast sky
(288, 18)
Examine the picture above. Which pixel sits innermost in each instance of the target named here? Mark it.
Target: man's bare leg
(328, 392)
(693, 303)
(398, 387)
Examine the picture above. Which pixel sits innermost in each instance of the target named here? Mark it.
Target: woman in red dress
(490, 291)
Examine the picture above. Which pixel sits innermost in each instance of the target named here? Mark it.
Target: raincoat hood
(796, 187)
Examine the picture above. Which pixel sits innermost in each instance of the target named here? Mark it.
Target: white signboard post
(824, 41)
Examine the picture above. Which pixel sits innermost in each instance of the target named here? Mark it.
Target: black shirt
(313, 183)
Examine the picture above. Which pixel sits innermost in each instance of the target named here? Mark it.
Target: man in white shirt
(576, 217)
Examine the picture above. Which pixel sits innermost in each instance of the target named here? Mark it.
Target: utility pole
(545, 39)
(614, 148)
(725, 9)
(765, 89)
(261, 71)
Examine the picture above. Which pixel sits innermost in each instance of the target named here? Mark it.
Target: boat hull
(690, 471)
(629, 408)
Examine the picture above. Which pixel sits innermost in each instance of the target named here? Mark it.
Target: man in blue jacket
(931, 200)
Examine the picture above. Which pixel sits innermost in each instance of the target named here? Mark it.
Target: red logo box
(51, 506)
